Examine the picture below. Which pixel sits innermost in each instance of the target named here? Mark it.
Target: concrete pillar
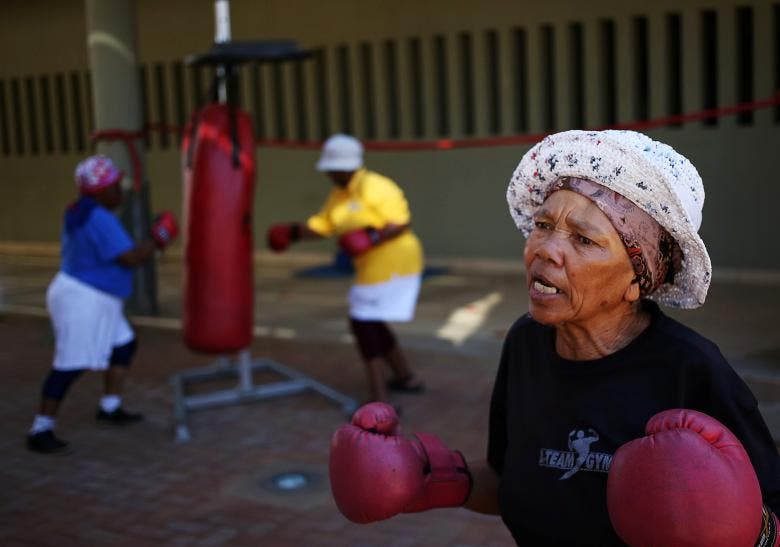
(116, 92)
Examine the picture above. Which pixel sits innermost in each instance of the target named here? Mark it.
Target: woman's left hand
(359, 241)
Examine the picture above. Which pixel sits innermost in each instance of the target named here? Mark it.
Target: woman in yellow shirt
(370, 215)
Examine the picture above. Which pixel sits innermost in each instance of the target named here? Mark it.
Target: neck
(342, 178)
(583, 342)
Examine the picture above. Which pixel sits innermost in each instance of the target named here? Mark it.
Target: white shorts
(393, 300)
(88, 324)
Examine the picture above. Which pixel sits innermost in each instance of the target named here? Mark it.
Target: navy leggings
(58, 382)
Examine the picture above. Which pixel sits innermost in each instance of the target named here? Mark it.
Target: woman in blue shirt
(86, 298)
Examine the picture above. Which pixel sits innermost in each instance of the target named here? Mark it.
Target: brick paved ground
(136, 487)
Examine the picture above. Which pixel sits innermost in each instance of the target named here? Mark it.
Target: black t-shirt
(555, 423)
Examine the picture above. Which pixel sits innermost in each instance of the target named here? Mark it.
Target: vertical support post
(116, 92)
(245, 371)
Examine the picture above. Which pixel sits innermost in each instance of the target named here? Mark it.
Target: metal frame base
(242, 367)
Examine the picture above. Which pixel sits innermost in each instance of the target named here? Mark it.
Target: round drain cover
(289, 481)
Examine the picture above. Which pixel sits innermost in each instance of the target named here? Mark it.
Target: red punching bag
(219, 174)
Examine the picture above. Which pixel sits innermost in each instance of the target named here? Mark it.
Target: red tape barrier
(449, 144)
(129, 137)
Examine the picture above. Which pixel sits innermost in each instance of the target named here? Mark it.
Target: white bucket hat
(341, 153)
(651, 174)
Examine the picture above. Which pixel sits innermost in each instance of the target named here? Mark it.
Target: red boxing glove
(359, 241)
(688, 483)
(281, 235)
(376, 473)
(164, 229)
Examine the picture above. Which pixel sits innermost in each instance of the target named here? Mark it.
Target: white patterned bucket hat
(651, 174)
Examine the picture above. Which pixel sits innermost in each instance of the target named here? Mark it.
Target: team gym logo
(579, 457)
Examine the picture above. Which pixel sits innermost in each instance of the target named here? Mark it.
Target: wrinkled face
(578, 269)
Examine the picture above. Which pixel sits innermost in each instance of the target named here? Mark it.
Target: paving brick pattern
(135, 486)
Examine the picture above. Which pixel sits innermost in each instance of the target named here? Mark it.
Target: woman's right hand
(376, 472)
(280, 236)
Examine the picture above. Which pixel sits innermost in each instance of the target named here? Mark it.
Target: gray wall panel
(457, 196)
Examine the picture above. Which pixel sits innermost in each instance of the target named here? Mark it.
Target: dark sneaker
(118, 417)
(46, 443)
(409, 385)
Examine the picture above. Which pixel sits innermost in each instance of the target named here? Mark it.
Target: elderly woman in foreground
(610, 423)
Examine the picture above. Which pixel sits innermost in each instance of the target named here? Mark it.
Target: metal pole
(221, 36)
(116, 91)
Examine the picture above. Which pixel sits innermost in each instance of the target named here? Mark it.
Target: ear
(632, 291)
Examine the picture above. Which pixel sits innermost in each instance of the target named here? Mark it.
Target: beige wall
(457, 196)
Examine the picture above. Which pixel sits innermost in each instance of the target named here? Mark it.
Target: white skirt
(393, 300)
(88, 324)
